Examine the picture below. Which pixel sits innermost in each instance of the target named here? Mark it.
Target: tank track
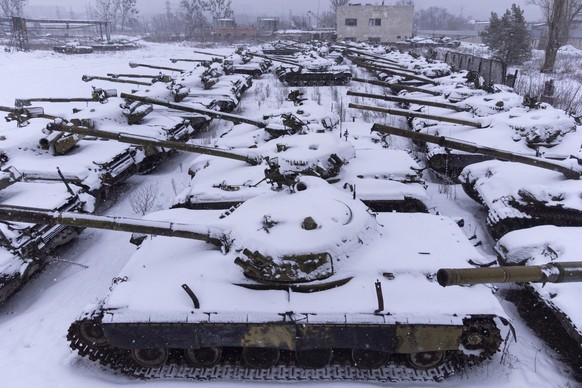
(119, 360)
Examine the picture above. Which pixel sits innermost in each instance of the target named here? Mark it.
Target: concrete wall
(395, 23)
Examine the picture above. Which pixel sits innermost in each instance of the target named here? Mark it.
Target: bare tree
(438, 18)
(104, 10)
(334, 5)
(127, 12)
(143, 199)
(559, 15)
(219, 9)
(12, 7)
(193, 14)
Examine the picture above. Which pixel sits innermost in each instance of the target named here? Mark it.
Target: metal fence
(493, 71)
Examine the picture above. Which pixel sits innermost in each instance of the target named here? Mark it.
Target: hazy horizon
(282, 8)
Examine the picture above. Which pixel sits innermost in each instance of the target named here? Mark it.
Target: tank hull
(309, 326)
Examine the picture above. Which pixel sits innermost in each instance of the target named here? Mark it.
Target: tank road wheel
(314, 358)
(92, 333)
(260, 358)
(150, 358)
(426, 360)
(203, 357)
(368, 358)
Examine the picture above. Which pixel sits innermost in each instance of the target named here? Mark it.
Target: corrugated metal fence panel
(492, 70)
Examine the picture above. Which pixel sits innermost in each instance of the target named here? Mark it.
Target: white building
(374, 23)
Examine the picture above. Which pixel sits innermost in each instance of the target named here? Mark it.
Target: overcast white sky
(477, 9)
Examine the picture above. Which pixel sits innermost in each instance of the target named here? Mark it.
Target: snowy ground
(33, 324)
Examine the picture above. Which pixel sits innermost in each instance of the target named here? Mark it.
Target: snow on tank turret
(310, 70)
(326, 289)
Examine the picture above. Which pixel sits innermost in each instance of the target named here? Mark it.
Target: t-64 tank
(519, 196)
(25, 248)
(311, 72)
(290, 284)
(532, 191)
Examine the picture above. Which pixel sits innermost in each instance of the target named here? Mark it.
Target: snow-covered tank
(25, 248)
(547, 305)
(309, 71)
(304, 281)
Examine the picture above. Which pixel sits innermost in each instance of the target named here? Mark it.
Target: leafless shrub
(144, 198)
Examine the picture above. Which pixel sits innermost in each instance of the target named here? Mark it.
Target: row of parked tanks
(515, 155)
(291, 255)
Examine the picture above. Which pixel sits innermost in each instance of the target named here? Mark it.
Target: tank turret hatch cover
(299, 236)
(320, 154)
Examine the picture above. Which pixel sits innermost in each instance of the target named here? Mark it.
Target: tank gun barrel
(207, 53)
(435, 104)
(362, 53)
(123, 224)
(134, 65)
(383, 64)
(564, 272)
(89, 78)
(396, 87)
(28, 101)
(98, 95)
(174, 60)
(476, 149)
(401, 73)
(208, 112)
(287, 61)
(148, 141)
(156, 77)
(407, 113)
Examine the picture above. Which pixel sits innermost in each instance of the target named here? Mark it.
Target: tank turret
(309, 73)
(331, 231)
(558, 272)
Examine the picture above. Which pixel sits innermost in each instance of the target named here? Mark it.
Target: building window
(399, 36)
(374, 40)
(351, 22)
(375, 22)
